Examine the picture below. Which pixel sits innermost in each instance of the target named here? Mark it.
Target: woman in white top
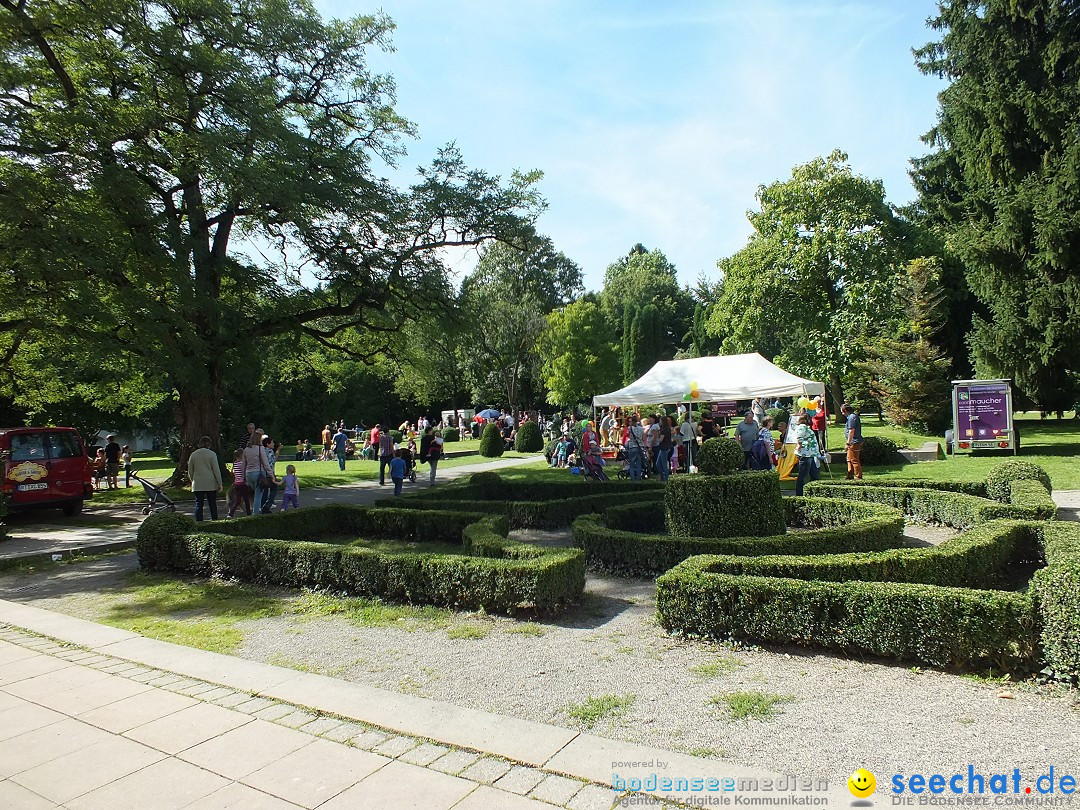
(256, 465)
(635, 448)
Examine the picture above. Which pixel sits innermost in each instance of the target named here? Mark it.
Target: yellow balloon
(693, 386)
(803, 402)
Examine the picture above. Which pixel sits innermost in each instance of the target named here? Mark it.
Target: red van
(45, 468)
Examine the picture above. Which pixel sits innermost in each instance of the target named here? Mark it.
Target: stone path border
(522, 759)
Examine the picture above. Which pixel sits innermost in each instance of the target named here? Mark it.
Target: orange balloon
(695, 393)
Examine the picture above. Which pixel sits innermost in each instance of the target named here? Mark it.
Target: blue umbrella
(490, 413)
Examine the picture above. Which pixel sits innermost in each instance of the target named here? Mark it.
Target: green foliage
(494, 574)
(594, 709)
(1001, 183)
(492, 444)
(622, 545)
(1055, 590)
(578, 359)
(745, 705)
(740, 505)
(779, 416)
(877, 451)
(490, 485)
(451, 435)
(906, 373)
(826, 251)
(999, 479)
(720, 457)
(1032, 496)
(529, 438)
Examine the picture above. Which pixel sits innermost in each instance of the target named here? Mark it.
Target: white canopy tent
(737, 376)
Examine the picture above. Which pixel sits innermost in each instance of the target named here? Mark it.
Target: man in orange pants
(853, 442)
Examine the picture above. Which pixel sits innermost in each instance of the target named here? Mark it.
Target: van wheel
(146, 510)
(72, 508)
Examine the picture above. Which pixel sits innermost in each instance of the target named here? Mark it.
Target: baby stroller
(156, 499)
(593, 467)
(410, 465)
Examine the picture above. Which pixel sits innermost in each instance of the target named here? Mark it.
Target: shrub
(529, 438)
(778, 415)
(1030, 495)
(549, 449)
(451, 435)
(494, 575)
(741, 505)
(1055, 590)
(877, 451)
(1001, 476)
(491, 442)
(720, 457)
(397, 436)
(488, 484)
(612, 543)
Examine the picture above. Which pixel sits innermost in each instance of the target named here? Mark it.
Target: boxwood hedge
(938, 624)
(838, 525)
(738, 505)
(495, 574)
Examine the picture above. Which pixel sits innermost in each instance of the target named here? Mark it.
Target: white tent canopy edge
(736, 376)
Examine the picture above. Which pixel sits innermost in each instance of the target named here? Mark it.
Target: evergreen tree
(628, 345)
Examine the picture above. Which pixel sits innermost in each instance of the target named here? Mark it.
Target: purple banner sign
(982, 412)
(725, 407)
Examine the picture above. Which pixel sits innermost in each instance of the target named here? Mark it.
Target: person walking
(271, 487)
(205, 474)
(341, 442)
(112, 463)
(257, 467)
(747, 432)
(663, 448)
(397, 471)
(853, 442)
(125, 456)
(240, 492)
(688, 435)
(807, 451)
(291, 498)
(386, 453)
(635, 448)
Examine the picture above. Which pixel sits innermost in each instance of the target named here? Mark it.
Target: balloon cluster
(694, 393)
(811, 406)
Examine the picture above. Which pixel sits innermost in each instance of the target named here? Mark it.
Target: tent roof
(736, 376)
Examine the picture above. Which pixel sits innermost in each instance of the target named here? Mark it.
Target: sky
(655, 122)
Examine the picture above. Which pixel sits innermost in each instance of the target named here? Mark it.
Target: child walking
(240, 492)
(397, 471)
(291, 498)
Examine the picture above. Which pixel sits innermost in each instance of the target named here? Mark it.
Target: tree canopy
(577, 356)
(1001, 182)
(179, 181)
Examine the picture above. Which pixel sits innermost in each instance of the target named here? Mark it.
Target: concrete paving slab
(556, 789)
(424, 754)
(62, 779)
(403, 787)
(593, 797)
(41, 687)
(520, 740)
(30, 668)
(188, 727)
(93, 695)
(315, 773)
(59, 626)
(126, 714)
(489, 798)
(455, 762)
(166, 785)
(520, 780)
(10, 653)
(16, 796)
(9, 701)
(245, 750)
(28, 750)
(241, 797)
(26, 716)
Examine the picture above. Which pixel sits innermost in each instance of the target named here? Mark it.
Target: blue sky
(656, 122)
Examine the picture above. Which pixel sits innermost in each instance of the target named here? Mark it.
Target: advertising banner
(982, 414)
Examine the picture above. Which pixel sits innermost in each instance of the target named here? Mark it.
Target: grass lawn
(156, 468)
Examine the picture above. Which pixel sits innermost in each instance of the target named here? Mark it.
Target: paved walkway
(96, 717)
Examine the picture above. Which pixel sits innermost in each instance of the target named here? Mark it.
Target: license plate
(982, 445)
(29, 487)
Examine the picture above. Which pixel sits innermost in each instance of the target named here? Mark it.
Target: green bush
(778, 416)
(877, 451)
(491, 441)
(1027, 494)
(1055, 590)
(494, 574)
(740, 505)
(1001, 476)
(529, 438)
(549, 449)
(720, 457)
(976, 488)
(486, 485)
(397, 436)
(611, 543)
(451, 435)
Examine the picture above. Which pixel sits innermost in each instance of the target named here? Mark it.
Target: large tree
(815, 282)
(506, 300)
(150, 148)
(644, 277)
(1003, 181)
(578, 359)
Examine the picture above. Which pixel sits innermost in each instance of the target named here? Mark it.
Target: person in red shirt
(817, 422)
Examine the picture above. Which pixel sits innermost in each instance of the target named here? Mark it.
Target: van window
(28, 447)
(63, 445)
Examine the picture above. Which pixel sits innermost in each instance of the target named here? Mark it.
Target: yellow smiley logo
(861, 783)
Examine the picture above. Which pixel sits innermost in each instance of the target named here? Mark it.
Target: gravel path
(840, 713)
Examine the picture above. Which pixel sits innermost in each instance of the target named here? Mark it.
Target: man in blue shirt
(341, 441)
(853, 441)
(747, 432)
(397, 471)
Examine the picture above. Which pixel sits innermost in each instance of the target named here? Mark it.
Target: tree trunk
(837, 389)
(198, 414)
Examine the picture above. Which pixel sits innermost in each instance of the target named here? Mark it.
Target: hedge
(736, 505)
(451, 435)
(841, 526)
(496, 575)
(549, 514)
(877, 451)
(720, 456)
(1001, 476)
(486, 486)
(976, 488)
(911, 620)
(933, 505)
(1032, 496)
(529, 439)
(492, 443)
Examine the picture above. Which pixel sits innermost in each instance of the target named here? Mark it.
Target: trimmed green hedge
(1032, 496)
(933, 505)
(976, 488)
(840, 526)
(529, 438)
(492, 443)
(1001, 477)
(768, 600)
(720, 456)
(534, 514)
(488, 486)
(738, 505)
(496, 575)
(451, 435)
